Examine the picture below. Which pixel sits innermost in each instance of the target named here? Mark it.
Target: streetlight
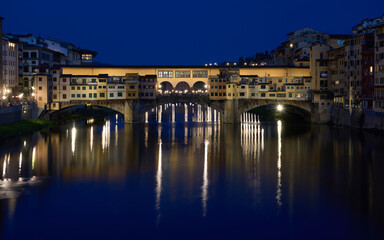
(279, 108)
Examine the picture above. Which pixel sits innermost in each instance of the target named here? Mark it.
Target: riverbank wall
(19, 113)
(357, 118)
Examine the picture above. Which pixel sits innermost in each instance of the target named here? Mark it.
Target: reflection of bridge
(230, 110)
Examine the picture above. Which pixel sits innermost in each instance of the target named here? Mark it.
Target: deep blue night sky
(180, 32)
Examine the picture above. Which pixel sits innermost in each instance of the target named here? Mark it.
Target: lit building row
(66, 84)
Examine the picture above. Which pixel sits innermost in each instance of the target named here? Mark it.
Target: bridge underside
(230, 110)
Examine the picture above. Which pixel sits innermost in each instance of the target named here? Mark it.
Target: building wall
(43, 89)
(10, 67)
(378, 104)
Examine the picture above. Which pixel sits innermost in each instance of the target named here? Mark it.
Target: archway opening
(200, 88)
(182, 88)
(83, 112)
(287, 113)
(165, 88)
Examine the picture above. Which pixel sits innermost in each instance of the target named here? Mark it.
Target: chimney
(1, 58)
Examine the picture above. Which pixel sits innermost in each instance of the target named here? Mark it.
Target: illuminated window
(200, 74)
(86, 56)
(182, 74)
(165, 74)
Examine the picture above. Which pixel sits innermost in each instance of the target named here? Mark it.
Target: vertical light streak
(204, 188)
(20, 162)
(5, 166)
(73, 135)
(278, 192)
(173, 113)
(156, 114)
(159, 175)
(105, 135)
(146, 117)
(185, 135)
(33, 157)
(91, 139)
(159, 117)
(116, 135)
(185, 113)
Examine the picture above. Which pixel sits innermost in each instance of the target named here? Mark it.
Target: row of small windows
(182, 74)
(219, 87)
(218, 94)
(94, 95)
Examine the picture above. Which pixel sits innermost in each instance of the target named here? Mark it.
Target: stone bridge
(230, 110)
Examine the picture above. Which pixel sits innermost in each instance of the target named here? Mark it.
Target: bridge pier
(320, 113)
(231, 113)
(128, 112)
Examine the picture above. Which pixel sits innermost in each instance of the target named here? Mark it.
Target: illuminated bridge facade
(133, 90)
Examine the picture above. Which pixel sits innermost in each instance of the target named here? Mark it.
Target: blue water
(192, 181)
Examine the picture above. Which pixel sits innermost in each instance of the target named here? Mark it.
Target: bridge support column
(128, 111)
(231, 112)
(321, 113)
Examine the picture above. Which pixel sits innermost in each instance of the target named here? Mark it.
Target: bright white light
(280, 108)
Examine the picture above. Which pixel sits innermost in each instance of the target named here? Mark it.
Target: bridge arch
(200, 87)
(301, 108)
(182, 87)
(121, 106)
(165, 87)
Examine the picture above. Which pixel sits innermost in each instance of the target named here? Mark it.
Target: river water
(190, 177)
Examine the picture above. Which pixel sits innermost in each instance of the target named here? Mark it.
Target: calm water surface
(189, 180)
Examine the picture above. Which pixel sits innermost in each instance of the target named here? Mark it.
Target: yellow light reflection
(105, 135)
(204, 188)
(33, 158)
(159, 174)
(278, 192)
(91, 139)
(5, 166)
(73, 135)
(20, 161)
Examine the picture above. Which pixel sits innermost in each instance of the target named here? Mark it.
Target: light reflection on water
(183, 175)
